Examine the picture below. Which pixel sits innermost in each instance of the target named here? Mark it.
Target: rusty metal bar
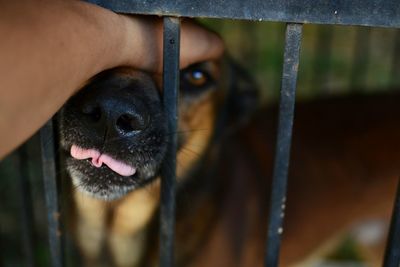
(26, 209)
(356, 12)
(392, 255)
(51, 193)
(282, 153)
(170, 100)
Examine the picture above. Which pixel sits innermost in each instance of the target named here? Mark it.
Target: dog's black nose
(129, 122)
(118, 116)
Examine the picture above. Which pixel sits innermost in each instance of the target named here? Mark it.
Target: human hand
(144, 51)
(51, 48)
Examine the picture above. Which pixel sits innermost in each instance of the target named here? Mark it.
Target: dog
(114, 135)
(344, 167)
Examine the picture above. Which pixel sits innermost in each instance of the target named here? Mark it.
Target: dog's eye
(195, 80)
(196, 77)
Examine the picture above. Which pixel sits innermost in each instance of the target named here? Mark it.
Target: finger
(198, 44)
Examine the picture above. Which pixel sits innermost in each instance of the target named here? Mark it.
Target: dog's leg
(127, 235)
(127, 249)
(90, 228)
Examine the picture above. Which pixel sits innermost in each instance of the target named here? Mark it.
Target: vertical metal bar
(26, 210)
(170, 94)
(282, 153)
(51, 191)
(392, 254)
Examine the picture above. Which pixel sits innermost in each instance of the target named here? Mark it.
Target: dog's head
(115, 134)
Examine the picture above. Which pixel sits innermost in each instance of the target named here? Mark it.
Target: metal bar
(26, 210)
(392, 254)
(282, 153)
(51, 193)
(170, 100)
(356, 12)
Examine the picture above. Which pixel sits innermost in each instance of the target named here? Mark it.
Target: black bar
(344, 12)
(282, 153)
(51, 193)
(170, 95)
(26, 209)
(392, 255)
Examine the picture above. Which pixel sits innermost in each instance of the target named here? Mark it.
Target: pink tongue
(98, 159)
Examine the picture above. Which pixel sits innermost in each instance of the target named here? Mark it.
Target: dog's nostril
(93, 112)
(128, 123)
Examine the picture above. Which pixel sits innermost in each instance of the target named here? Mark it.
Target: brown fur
(345, 163)
(119, 227)
(344, 170)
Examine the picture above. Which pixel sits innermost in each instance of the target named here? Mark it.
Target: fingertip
(199, 44)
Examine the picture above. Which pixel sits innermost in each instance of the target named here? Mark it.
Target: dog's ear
(242, 95)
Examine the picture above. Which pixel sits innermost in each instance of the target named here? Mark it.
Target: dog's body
(344, 169)
(345, 163)
(95, 127)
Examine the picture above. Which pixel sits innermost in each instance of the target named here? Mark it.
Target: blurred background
(334, 60)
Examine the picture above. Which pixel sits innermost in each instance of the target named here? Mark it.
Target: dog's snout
(92, 111)
(120, 117)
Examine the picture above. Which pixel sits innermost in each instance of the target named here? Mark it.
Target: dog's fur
(344, 167)
(114, 212)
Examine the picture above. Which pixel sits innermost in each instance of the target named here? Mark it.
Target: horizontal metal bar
(51, 193)
(392, 255)
(355, 12)
(282, 153)
(170, 100)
